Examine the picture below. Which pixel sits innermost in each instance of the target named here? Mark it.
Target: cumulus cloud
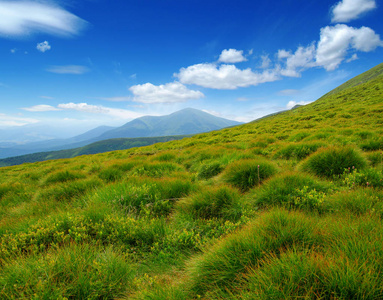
(169, 93)
(335, 41)
(40, 108)
(224, 76)
(71, 69)
(295, 63)
(98, 109)
(20, 18)
(347, 10)
(352, 58)
(231, 56)
(44, 46)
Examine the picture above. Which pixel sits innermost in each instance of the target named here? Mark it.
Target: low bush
(332, 161)
(245, 174)
(218, 202)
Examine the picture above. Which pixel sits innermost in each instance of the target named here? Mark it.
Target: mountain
(184, 122)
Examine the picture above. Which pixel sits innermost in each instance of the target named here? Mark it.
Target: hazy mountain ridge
(183, 122)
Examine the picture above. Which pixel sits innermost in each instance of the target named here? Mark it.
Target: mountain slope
(250, 212)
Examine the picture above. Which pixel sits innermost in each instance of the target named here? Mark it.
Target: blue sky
(80, 64)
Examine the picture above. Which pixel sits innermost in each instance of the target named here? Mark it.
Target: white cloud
(20, 18)
(266, 62)
(97, 109)
(44, 46)
(347, 10)
(71, 69)
(302, 59)
(40, 108)
(223, 76)
(231, 56)
(7, 121)
(282, 53)
(336, 40)
(169, 93)
(352, 58)
(291, 104)
(13, 50)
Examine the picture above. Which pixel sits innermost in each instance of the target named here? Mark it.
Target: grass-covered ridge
(286, 207)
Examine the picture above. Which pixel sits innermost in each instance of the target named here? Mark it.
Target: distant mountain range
(184, 122)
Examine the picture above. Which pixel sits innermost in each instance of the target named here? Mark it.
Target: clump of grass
(156, 170)
(245, 174)
(218, 202)
(72, 272)
(292, 190)
(332, 161)
(209, 170)
(63, 176)
(221, 266)
(111, 174)
(297, 151)
(358, 202)
(68, 191)
(367, 178)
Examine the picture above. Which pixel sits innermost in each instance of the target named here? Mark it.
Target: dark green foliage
(245, 174)
(209, 170)
(219, 202)
(332, 161)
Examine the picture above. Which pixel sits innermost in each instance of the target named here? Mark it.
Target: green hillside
(288, 207)
(93, 148)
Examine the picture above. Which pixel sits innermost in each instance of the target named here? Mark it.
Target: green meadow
(286, 207)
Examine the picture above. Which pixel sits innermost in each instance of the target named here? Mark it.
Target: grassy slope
(156, 222)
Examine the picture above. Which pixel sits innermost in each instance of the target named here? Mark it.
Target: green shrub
(245, 174)
(292, 191)
(72, 272)
(209, 170)
(218, 202)
(332, 161)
